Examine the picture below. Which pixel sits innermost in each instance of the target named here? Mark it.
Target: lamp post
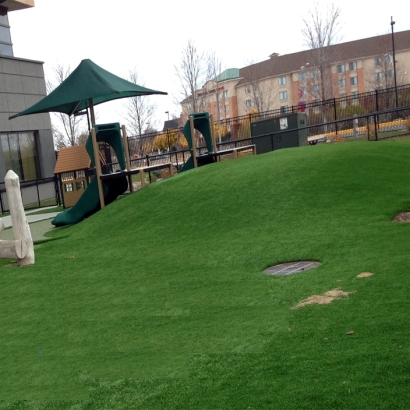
(392, 23)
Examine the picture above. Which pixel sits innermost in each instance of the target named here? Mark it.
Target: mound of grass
(160, 301)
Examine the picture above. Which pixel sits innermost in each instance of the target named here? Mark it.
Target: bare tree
(259, 88)
(191, 74)
(319, 32)
(139, 111)
(213, 72)
(67, 130)
(381, 75)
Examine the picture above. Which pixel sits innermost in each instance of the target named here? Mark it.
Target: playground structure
(202, 122)
(105, 188)
(21, 248)
(73, 170)
(98, 194)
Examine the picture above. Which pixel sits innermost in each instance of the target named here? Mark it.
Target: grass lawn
(159, 301)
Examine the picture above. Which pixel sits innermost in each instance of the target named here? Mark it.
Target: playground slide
(89, 202)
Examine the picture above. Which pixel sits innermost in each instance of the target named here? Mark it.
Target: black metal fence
(318, 112)
(35, 194)
(376, 126)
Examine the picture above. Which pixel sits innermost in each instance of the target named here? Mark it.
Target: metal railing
(381, 125)
(35, 194)
(238, 128)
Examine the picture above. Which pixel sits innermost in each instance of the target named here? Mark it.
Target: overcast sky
(120, 35)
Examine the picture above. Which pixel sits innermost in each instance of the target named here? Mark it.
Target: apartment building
(282, 81)
(26, 143)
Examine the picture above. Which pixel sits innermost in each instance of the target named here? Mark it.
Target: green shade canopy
(87, 81)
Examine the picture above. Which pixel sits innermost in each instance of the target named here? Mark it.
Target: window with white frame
(248, 103)
(378, 61)
(283, 109)
(302, 76)
(352, 66)
(282, 80)
(283, 95)
(315, 88)
(378, 76)
(342, 83)
(353, 80)
(226, 94)
(247, 89)
(314, 74)
(341, 68)
(226, 108)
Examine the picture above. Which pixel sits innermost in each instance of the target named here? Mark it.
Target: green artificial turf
(160, 301)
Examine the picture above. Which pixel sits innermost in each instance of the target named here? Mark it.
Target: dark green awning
(87, 81)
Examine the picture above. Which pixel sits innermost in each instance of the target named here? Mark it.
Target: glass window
(314, 74)
(342, 83)
(302, 76)
(80, 185)
(283, 95)
(352, 65)
(20, 155)
(226, 108)
(353, 80)
(69, 187)
(248, 103)
(226, 94)
(341, 68)
(379, 76)
(247, 89)
(282, 80)
(283, 109)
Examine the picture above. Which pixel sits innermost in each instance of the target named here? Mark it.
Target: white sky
(149, 35)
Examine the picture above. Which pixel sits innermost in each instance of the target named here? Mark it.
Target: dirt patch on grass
(324, 299)
(364, 275)
(402, 217)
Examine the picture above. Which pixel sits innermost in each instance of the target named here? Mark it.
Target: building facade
(26, 143)
(282, 81)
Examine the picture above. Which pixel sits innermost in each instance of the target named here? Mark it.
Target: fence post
(335, 111)
(38, 194)
(377, 100)
(375, 127)
(56, 190)
(1, 203)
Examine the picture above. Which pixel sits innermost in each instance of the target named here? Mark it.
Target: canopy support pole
(127, 156)
(98, 171)
(91, 105)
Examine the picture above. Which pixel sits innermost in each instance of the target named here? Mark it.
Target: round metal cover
(289, 268)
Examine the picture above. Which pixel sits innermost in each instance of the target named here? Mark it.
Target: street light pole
(392, 23)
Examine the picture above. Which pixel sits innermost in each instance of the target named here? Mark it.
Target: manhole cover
(290, 268)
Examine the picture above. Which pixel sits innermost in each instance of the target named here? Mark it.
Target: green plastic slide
(89, 202)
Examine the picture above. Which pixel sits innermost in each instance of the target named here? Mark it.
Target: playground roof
(87, 82)
(73, 159)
